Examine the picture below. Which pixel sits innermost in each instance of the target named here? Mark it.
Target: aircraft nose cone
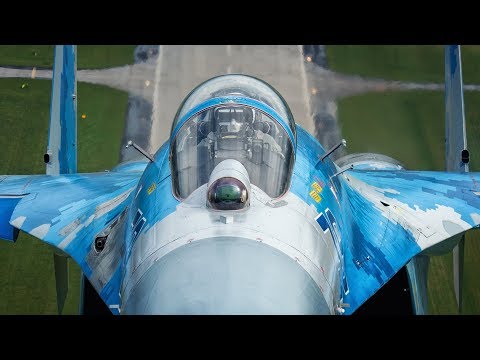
(225, 275)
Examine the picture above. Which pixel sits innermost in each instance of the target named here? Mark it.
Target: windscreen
(233, 117)
(240, 85)
(232, 132)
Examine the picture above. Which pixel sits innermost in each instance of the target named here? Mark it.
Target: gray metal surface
(183, 67)
(295, 233)
(417, 270)
(226, 275)
(105, 262)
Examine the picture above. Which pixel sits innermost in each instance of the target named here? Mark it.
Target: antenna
(340, 172)
(343, 142)
(140, 150)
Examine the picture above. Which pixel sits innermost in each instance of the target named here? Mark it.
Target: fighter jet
(241, 210)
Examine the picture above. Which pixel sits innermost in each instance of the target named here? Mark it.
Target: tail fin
(456, 153)
(417, 275)
(61, 155)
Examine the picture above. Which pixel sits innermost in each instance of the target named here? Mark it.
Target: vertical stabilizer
(61, 155)
(417, 270)
(456, 153)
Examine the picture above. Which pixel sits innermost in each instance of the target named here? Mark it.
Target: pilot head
(232, 119)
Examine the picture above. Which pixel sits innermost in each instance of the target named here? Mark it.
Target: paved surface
(163, 75)
(182, 67)
(138, 120)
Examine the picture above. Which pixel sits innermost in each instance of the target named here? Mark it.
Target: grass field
(407, 63)
(89, 56)
(27, 284)
(409, 126)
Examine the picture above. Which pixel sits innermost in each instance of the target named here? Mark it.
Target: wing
(399, 214)
(69, 211)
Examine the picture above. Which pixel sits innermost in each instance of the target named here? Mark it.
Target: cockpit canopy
(233, 117)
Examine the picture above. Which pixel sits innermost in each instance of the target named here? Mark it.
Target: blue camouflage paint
(373, 252)
(57, 202)
(131, 166)
(322, 221)
(306, 170)
(62, 135)
(415, 189)
(110, 292)
(455, 130)
(159, 203)
(376, 252)
(309, 169)
(452, 53)
(7, 205)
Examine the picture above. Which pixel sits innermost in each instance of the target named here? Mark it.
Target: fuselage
(279, 256)
(237, 214)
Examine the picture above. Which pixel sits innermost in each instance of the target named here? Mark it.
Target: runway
(180, 68)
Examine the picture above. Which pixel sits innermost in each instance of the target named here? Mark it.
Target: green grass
(100, 133)
(423, 63)
(409, 126)
(99, 56)
(27, 283)
(394, 124)
(89, 56)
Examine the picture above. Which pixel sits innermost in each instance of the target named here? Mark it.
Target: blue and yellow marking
(151, 188)
(317, 187)
(315, 192)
